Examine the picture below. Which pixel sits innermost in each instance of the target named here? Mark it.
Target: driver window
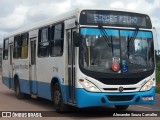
(100, 51)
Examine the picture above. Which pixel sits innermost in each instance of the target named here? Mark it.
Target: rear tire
(58, 100)
(121, 107)
(18, 92)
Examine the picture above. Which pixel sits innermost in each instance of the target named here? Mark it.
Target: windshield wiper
(105, 36)
(131, 39)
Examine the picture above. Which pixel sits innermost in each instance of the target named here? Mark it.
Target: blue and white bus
(83, 58)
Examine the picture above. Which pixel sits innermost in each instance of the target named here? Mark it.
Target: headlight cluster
(88, 85)
(148, 85)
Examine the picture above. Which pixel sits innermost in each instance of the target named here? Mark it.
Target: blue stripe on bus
(94, 31)
(142, 34)
(43, 89)
(91, 99)
(113, 32)
(85, 98)
(24, 86)
(6, 81)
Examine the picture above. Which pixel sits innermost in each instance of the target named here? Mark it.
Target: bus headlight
(88, 85)
(148, 85)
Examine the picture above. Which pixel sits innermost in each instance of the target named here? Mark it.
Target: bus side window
(5, 49)
(17, 47)
(57, 38)
(43, 42)
(24, 48)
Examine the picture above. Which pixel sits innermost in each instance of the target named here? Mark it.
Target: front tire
(58, 100)
(18, 92)
(121, 107)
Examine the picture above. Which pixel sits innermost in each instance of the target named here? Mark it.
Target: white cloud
(2, 33)
(84, 3)
(117, 4)
(15, 19)
(137, 5)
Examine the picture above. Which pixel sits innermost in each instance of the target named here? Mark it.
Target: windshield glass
(121, 51)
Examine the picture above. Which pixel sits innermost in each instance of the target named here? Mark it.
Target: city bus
(83, 58)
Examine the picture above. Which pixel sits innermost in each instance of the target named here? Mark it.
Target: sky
(15, 14)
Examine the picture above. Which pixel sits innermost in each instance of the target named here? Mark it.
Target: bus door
(11, 84)
(71, 67)
(32, 66)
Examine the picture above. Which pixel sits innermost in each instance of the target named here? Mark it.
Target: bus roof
(64, 16)
(43, 23)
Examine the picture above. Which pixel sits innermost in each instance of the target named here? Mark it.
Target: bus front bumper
(91, 99)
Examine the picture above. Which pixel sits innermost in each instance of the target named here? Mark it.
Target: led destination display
(115, 18)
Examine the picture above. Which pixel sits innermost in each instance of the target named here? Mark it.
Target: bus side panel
(21, 69)
(24, 86)
(44, 90)
(5, 73)
(46, 69)
(6, 81)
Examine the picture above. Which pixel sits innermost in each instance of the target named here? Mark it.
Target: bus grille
(120, 98)
(115, 89)
(120, 81)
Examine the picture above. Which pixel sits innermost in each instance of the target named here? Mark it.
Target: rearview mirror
(77, 39)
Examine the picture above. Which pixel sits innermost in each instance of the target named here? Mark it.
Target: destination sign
(115, 18)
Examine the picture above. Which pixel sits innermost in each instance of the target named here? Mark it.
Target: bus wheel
(18, 92)
(121, 107)
(58, 100)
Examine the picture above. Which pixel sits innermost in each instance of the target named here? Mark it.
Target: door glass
(69, 48)
(11, 50)
(73, 51)
(33, 52)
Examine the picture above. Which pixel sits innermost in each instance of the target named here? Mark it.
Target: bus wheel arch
(17, 89)
(57, 97)
(53, 82)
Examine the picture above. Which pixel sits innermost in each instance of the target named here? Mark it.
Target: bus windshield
(131, 53)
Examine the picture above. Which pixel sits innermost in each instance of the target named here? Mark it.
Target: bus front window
(98, 52)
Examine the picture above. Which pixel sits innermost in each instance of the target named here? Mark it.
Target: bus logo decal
(120, 89)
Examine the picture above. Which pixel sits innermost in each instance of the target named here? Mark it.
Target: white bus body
(43, 60)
